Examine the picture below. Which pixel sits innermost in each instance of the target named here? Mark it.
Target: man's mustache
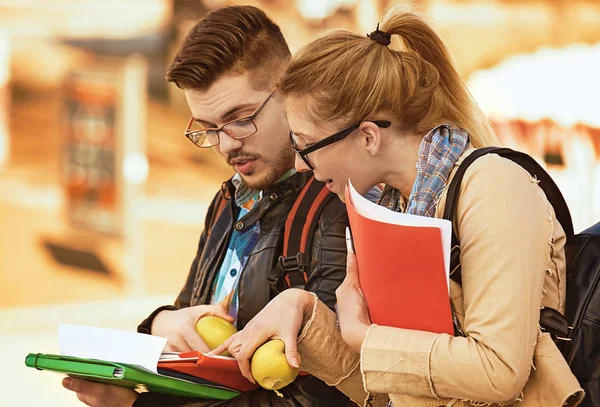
(241, 154)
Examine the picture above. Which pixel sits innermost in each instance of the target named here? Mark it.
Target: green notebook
(121, 374)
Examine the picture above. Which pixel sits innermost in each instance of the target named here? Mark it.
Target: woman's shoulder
(495, 178)
(492, 166)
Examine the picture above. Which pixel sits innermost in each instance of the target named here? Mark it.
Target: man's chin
(259, 181)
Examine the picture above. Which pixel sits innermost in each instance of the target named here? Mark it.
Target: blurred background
(102, 199)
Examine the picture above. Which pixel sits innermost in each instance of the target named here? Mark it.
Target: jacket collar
(272, 196)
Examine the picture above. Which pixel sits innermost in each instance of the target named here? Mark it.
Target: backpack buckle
(291, 270)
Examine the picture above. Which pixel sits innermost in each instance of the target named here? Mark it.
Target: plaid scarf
(438, 153)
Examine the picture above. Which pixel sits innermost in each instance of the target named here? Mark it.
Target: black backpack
(577, 333)
(293, 266)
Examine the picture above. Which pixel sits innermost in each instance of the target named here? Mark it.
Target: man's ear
(372, 137)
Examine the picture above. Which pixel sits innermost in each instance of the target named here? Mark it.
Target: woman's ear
(372, 137)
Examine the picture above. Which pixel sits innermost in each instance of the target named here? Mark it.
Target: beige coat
(513, 264)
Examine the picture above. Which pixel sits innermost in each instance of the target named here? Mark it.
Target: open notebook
(136, 360)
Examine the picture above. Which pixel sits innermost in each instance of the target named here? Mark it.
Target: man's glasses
(304, 152)
(237, 129)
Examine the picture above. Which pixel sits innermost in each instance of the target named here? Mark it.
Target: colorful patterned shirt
(240, 247)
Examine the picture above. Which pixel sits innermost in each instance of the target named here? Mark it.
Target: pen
(349, 241)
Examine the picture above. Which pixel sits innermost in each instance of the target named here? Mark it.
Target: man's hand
(100, 394)
(179, 327)
(282, 319)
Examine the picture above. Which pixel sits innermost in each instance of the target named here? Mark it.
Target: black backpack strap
(292, 267)
(550, 320)
(452, 204)
(551, 190)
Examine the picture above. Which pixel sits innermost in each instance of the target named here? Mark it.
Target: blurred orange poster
(90, 151)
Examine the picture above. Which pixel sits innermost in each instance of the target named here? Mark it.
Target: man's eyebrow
(204, 122)
(227, 116)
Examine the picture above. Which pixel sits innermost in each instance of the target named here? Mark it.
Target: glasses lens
(240, 128)
(204, 138)
(296, 143)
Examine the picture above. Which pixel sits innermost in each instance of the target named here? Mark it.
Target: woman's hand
(282, 318)
(353, 313)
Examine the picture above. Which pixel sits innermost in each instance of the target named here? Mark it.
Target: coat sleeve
(505, 225)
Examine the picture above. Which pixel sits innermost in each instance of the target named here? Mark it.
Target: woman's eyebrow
(304, 136)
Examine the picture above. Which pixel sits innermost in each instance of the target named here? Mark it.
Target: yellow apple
(214, 331)
(270, 368)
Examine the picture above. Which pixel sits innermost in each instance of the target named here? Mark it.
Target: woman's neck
(400, 163)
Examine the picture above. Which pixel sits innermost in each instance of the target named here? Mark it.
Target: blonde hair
(344, 77)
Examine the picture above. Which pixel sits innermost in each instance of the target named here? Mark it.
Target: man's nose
(227, 144)
(300, 164)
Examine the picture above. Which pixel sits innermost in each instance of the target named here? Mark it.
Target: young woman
(391, 108)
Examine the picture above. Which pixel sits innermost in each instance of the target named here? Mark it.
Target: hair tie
(380, 37)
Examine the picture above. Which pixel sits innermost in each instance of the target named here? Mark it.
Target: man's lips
(243, 165)
(240, 160)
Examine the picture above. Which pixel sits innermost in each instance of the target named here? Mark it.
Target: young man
(228, 67)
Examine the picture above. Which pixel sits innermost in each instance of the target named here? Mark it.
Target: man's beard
(272, 173)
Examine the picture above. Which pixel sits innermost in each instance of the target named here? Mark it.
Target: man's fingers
(77, 385)
(87, 392)
(177, 345)
(194, 340)
(221, 312)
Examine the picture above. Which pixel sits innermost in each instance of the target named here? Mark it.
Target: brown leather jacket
(328, 269)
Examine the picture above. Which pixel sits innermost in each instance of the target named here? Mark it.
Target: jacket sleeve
(185, 295)
(505, 225)
(328, 256)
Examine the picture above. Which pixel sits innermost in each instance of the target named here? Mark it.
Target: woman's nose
(301, 165)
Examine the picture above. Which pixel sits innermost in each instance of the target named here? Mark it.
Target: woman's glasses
(334, 138)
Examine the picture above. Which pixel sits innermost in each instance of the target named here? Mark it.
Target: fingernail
(67, 382)
(295, 363)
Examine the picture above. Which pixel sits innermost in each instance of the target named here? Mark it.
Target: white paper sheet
(371, 210)
(111, 345)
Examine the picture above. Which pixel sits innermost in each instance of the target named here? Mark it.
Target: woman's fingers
(224, 346)
(291, 351)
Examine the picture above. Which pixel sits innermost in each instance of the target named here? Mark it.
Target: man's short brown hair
(229, 41)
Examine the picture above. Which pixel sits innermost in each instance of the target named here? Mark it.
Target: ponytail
(344, 77)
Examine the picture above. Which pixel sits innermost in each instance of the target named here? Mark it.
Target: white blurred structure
(546, 103)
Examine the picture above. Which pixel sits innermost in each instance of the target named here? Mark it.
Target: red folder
(402, 273)
(220, 370)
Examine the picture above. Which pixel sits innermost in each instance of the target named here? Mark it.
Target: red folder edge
(426, 306)
(225, 372)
